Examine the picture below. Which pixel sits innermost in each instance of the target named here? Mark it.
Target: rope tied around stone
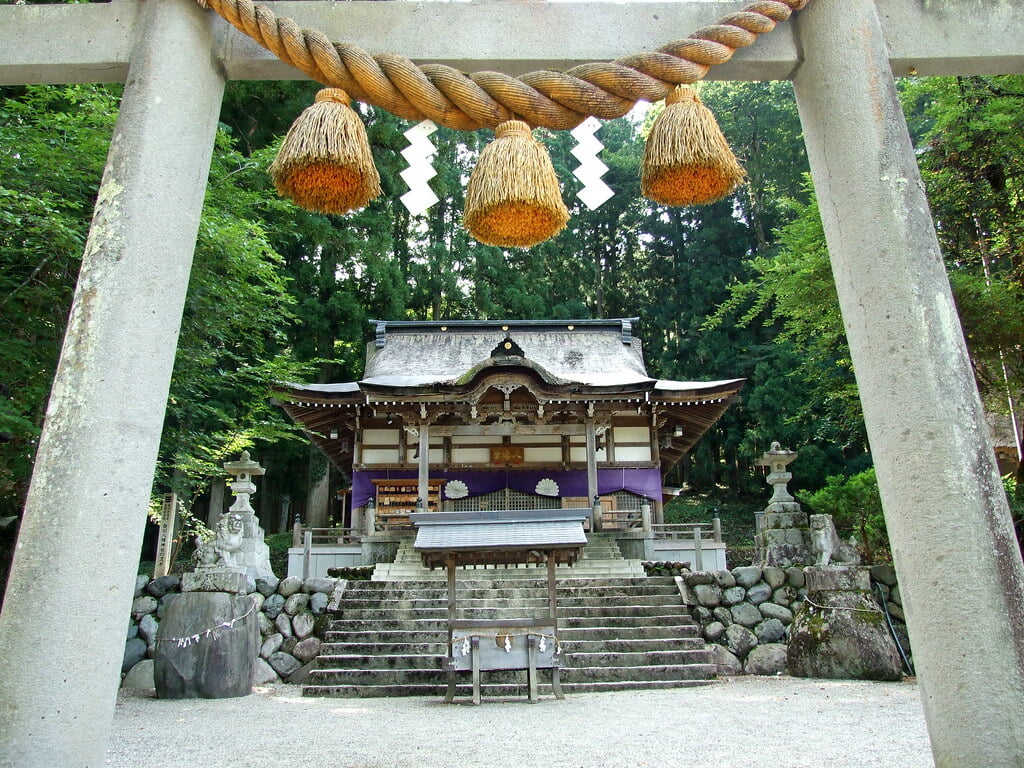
(555, 100)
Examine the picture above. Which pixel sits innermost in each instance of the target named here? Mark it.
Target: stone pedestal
(837, 579)
(840, 632)
(230, 582)
(784, 539)
(254, 555)
(206, 646)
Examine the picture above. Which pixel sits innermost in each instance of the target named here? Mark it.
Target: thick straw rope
(557, 100)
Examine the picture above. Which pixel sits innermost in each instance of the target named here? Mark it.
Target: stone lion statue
(827, 546)
(223, 548)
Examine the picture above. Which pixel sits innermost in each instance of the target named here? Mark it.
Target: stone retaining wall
(745, 613)
(291, 618)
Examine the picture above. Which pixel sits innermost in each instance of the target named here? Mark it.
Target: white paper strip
(418, 154)
(594, 192)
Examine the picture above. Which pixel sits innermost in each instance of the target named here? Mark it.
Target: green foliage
(742, 288)
(793, 292)
(45, 207)
(856, 507)
(233, 344)
(736, 514)
(1015, 496)
(972, 159)
(278, 544)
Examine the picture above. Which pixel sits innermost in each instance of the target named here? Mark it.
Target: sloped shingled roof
(574, 352)
(572, 361)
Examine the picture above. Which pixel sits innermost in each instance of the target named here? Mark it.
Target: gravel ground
(738, 723)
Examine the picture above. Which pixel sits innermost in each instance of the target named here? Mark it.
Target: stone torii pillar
(94, 469)
(95, 463)
(945, 509)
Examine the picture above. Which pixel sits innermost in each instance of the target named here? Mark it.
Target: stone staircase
(616, 633)
(601, 558)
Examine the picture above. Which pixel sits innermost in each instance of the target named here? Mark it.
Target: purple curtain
(573, 482)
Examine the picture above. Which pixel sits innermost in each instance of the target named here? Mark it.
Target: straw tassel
(325, 163)
(687, 160)
(513, 199)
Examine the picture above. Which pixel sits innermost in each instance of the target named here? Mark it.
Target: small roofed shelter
(454, 539)
(505, 415)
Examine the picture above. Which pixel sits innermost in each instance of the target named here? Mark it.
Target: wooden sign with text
(506, 454)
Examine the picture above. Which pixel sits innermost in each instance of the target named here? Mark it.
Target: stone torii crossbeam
(85, 513)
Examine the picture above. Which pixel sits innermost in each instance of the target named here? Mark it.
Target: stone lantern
(784, 536)
(254, 556)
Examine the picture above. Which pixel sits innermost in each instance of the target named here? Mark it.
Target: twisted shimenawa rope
(557, 100)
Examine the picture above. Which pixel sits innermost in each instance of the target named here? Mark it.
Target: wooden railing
(323, 537)
(705, 531)
(699, 533)
(622, 520)
(313, 538)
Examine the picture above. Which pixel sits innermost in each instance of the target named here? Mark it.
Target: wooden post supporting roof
(58, 701)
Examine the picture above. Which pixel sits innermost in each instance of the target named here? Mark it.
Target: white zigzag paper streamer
(418, 154)
(594, 192)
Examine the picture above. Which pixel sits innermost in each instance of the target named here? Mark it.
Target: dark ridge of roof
(413, 325)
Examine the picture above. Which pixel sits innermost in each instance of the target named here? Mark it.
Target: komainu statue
(222, 549)
(827, 546)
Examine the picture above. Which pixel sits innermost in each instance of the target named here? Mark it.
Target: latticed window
(488, 501)
(628, 500)
(506, 498)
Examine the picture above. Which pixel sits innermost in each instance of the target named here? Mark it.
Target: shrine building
(466, 415)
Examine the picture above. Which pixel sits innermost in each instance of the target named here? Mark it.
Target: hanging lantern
(687, 160)
(325, 163)
(513, 199)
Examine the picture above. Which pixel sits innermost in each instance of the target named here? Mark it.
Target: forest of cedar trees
(741, 288)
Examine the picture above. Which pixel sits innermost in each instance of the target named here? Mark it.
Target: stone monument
(784, 537)
(208, 642)
(840, 632)
(209, 639)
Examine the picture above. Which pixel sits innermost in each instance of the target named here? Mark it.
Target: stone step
(642, 662)
(510, 600)
(574, 660)
(437, 676)
(330, 649)
(386, 636)
(437, 646)
(392, 661)
(529, 590)
(619, 631)
(627, 645)
(597, 569)
(645, 664)
(564, 623)
(510, 611)
(497, 582)
(490, 691)
(681, 632)
(630, 632)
